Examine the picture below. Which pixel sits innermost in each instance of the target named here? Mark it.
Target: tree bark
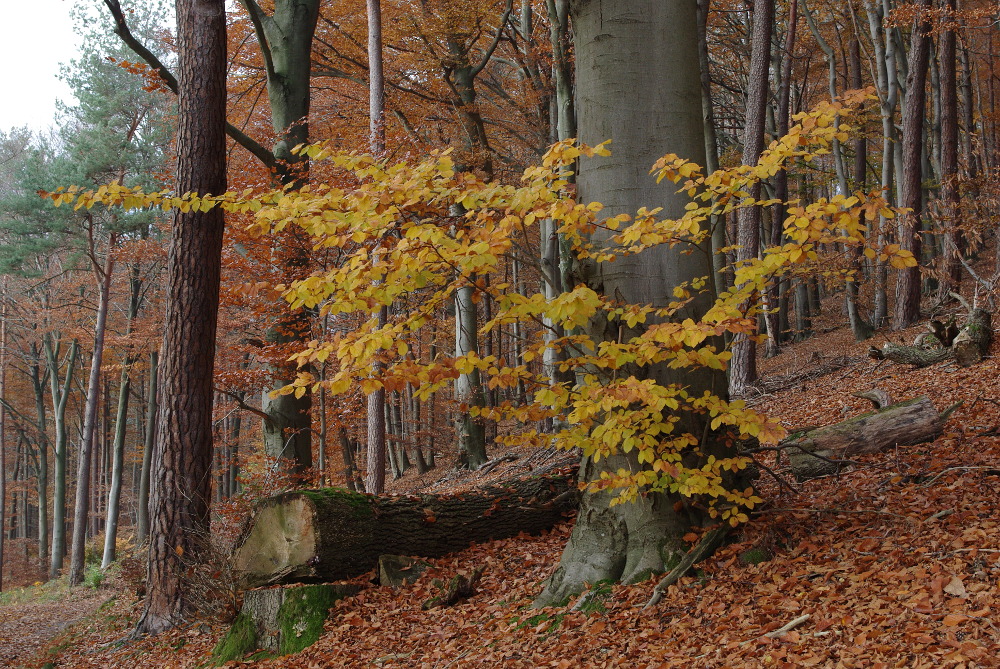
(638, 84)
(60, 396)
(823, 451)
(82, 508)
(142, 512)
(182, 457)
(743, 365)
(907, 310)
(333, 534)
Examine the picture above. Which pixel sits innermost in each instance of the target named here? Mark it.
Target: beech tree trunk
(638, 84)
(182, 458)
(823, 451)
(333, 534)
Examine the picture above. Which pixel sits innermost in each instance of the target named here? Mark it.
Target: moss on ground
(240, 640)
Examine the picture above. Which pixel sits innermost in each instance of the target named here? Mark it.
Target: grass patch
(38, 593)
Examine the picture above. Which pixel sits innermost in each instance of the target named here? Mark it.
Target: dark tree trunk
(951, 274)
(182, 458)
(907, 310)
(332, 534)
(743, 366)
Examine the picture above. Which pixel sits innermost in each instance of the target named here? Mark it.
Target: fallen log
(334, 534)
(918, 356)
(966, 345)
(824, 450)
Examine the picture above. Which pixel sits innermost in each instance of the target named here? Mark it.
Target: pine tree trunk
(907, 310)
(182, 457)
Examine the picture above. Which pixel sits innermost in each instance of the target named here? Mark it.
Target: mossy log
(824, 450)
(918, 356)
(279, 621)
(334, 534)
(967, 346)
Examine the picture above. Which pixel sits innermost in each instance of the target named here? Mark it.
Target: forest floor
(896, 561)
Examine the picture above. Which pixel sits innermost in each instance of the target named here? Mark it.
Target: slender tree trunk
(3, 425)
(907, 310)
(376, 457)
(888, 83)
(468, 387)
(859, 327)
(42, 478)
(182, 458)
(121, 420)
(780, 208)
(60, 395)
(82, 510)
(951, 274)
(711, 144)
(142, 505)
(743, 366)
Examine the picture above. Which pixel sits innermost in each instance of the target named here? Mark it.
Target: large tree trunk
(332, 534)
(824, 450)
(285, 37)
(638, 84)
(181, 470)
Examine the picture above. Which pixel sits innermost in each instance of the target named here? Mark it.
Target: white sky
(35, 37)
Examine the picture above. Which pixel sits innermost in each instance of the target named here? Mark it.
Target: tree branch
(125, 33)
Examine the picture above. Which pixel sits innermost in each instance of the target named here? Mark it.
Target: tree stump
(973, 341)
(335, 534)
(823, 450)
(279, 621)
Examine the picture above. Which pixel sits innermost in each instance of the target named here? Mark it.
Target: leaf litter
(893, 563)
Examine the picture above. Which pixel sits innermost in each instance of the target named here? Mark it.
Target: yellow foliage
(401, 239)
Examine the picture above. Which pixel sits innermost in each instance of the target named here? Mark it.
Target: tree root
(712, 540)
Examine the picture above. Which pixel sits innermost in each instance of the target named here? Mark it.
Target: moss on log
(279, 621)
(335, 534)
(823, 450)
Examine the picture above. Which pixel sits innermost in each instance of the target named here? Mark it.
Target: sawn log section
(334, 534)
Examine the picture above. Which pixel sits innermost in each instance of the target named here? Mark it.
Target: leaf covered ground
(896, 562)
